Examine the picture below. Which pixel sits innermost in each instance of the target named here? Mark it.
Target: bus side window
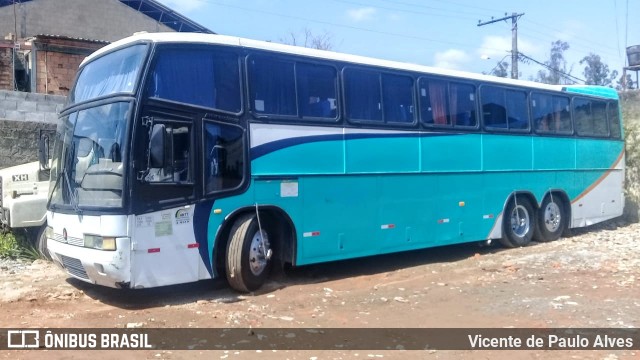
(397, 96)
(316, 89)
(362, 94)
(463, 104)
(224, 156)
(494, 110)
(434, 102)
(614, 120)
(583, 117)
(177, 165)
(272, 86)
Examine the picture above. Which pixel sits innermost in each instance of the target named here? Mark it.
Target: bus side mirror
(43, 152)
(156, 146)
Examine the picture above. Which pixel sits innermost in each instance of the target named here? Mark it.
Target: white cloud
(361, 14)
(497, 47)
(183, 6)
(451, 59)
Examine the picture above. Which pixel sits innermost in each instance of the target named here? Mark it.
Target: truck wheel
(41, 242)
(248, 255)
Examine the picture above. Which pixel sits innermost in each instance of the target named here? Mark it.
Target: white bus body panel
(165, 250)
(154, 249)
(602, 201)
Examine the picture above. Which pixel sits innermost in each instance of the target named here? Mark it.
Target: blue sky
(436, 32)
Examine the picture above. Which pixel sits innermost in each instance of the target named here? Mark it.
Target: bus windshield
(87, 166)
(116, 72)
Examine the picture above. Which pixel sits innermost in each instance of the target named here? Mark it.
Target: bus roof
(174, 37)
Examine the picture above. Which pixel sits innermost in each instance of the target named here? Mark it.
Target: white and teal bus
(183, 157)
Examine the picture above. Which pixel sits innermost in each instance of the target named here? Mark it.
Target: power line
(514, 39)
(560, 72)
(343, 25)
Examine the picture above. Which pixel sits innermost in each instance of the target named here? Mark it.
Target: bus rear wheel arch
(518, 221)
(553, 217)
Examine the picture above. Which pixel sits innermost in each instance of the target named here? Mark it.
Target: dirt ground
(589, 279)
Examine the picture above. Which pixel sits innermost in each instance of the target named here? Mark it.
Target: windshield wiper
(72, 194)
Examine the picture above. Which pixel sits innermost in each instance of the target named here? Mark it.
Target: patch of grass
(15, 245)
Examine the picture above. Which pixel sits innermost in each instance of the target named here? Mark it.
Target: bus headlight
(99, 242)
(48, 232)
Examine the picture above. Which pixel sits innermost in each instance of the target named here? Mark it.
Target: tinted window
(494, 108)
(517, 109)
(362, 94)
(447, 103)
(397, 98)
(504, 108)
(201, 77)
(614, 120)
(434, 102)
(224, 156)
(551, 113)
(317, 90)
(463, 104)
(590, 117)
(600, 125)
(272, 86)
(116, 72)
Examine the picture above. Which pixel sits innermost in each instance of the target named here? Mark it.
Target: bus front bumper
(106, 268)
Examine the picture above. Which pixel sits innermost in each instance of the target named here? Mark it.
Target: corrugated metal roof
(10, 2)
(166, 16)
(154, 10)
(62, 37)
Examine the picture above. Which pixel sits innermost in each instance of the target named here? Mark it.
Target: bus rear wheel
(248, 254)
(518, 224)
(551, 219)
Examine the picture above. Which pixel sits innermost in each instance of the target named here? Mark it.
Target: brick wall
(23, 116)
(56, 72)
(6, 76)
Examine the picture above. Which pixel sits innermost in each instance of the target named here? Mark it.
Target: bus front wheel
(248, 254)
(518, 223)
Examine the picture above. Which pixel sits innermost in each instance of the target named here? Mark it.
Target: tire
(552, 219)
(40, 242)
(518, 223)
(248, 255)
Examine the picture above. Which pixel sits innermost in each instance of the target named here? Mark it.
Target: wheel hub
(520, 221)
(259, 252)
(552, 217)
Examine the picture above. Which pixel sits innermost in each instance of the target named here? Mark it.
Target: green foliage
(631, 115)
(556, 64)
(16, 246)
(9, 247)
(596, 72)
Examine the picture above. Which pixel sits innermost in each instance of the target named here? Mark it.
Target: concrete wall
(108, 20)
(23, 117)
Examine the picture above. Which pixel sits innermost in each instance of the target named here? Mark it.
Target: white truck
(23, 201)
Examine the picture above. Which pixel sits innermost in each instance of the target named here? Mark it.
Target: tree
(307, 39)
(596, 72)
(628, 83)
(556, 65)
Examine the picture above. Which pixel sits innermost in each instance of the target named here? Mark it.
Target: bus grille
(70, 240)
(74, 267)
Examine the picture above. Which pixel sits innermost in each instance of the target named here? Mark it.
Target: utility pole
(514, 39)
